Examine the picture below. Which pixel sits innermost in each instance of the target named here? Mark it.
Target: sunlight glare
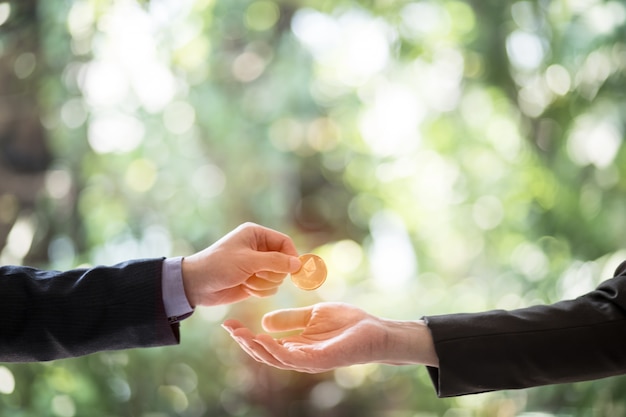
(424, 19)
(390, 125)
(594, 141)
(115, 132)
(391, 253)
(351, 48)
(104, 84)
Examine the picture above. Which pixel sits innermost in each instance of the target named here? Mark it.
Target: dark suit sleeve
(46, 315)
(575, 340)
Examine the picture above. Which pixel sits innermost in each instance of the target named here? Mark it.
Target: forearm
(569, 341)
(49, 315)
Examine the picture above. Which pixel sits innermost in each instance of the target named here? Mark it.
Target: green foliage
(442, 156)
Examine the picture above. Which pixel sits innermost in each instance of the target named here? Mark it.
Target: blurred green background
(442, 156)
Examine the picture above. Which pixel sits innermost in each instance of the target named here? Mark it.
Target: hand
(334, 335)
(250, 260)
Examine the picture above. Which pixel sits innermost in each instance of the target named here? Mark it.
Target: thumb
(288, 319)
(273, 262)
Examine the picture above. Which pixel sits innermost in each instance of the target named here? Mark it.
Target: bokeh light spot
(346, 256)
(558, 79)
(7, 380)
(154, 86)
(323, 134)
(421, 19)
(63, 406)
(9, 206)
(488, 212)
(351, 48)
(5, 12)
(390, 124)
(351, 377)
(326, 395)
(58, 183)
(74, 113)
(141, 175)
(391, 253)
(262, 15)
(594, 141)
(525, 49)
(20, 237)
(530, 260)
(175, 396)
(248, 67)
(287, 134)
(208, 181)
(81, 18)
(25, 65)
(104, 84)
(115, 132)
(604, 18)
(179, 117)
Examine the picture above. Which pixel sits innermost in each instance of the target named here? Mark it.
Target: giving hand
(250, 260)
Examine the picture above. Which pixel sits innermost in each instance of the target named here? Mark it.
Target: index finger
(271, 240)
(286, 320)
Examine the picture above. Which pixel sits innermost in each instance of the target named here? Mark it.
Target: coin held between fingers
(312, 274)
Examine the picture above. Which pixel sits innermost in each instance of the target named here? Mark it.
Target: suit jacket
(47, 315)
(575, 340)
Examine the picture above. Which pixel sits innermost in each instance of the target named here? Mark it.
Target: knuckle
(247, 225)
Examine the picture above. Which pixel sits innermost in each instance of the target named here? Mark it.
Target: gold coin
(312, 274)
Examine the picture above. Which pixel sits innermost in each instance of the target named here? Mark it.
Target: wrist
(409, 342)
